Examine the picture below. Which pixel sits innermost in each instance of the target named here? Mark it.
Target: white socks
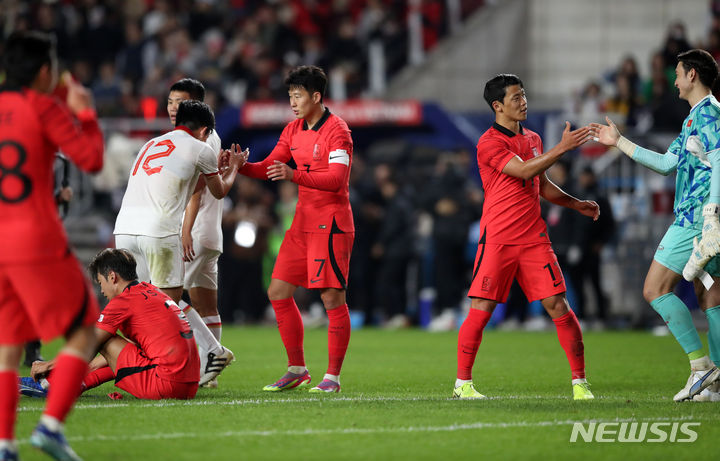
(335, 378)
(703, 363)
(51, 423)
(214, 324)
(460, 382)
(579, 381)
(203, 336)
(298, 370)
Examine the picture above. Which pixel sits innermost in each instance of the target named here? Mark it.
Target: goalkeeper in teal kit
(691, 244)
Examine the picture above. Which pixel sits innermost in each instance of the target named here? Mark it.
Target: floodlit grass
(395, 403)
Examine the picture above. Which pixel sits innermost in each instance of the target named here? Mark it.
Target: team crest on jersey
(486, 283)
(535, 152)
(316, 152)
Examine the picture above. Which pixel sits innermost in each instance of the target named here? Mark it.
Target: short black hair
(116, 260)
(311, 78)
(25, 53)
(193, 87)
(195, 114)
(495, 88)
(703, 63)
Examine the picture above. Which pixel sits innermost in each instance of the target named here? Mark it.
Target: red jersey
(33, 127)
(323, 156)
(150, 319)
(511, 211)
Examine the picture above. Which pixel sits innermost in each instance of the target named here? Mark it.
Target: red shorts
(314, 260)
(535, 267)
(137, 375)
(44, 300)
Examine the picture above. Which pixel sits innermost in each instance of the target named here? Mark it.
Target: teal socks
(678, 319)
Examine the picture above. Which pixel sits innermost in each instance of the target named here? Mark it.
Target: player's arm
(191, 212)
(331, 180)
(220, 182)
(554, 194)
(281, 153)
(530, 168)
(610, 136)
(78, 137)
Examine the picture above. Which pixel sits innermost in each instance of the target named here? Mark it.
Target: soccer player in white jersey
(201, 237)
(161, 182)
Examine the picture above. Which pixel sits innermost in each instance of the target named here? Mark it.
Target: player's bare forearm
(533, 167)
(40, 369)
(554, 194)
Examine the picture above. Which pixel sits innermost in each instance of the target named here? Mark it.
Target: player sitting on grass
(157, 357)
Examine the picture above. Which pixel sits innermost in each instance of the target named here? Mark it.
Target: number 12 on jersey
(150, 170)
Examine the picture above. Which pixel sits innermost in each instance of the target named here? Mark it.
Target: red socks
(290, 325)
(8, 403)
(338, 338)
(64, 385)
(97, 377)
(469, 339)
(570, 336)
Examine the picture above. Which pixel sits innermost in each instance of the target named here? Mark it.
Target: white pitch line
(352, 431)
(194, 403)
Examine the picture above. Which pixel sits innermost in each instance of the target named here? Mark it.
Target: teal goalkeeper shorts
(675, 248)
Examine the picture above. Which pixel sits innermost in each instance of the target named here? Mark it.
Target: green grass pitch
(395, 403)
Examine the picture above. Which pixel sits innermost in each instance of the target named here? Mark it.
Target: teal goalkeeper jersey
(692, 184)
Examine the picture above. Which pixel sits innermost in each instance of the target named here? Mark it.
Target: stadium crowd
(414, 223)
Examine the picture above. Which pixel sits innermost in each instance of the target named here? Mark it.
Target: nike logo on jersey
(314, 280)
(557, 284)
(334, 156)
(293, 148)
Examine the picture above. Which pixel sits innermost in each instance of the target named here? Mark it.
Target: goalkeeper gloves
(708, 246)
(695, 146)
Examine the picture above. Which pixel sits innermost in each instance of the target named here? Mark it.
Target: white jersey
(207, 230)
(162, 179)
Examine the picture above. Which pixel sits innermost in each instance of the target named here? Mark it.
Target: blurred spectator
(586, 105)
(561, 221)
(625, 103)
(592, 236)
(676, 42)
(393, 249)
(666, 109)
(453, 206)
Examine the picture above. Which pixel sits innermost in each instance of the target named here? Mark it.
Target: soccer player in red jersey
(514, 242)
(157, 357)
(44, 291)
(315, 252)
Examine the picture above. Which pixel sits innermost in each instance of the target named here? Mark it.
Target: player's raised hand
(279, 171)
(589, 208)
(572, 139)
(235, 157)
(79, 98)
(606, 134)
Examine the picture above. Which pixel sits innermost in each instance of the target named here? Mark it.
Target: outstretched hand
(573, 139)
(606, 134)
(233, 157)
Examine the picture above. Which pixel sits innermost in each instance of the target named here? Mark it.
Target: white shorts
(203, 270)
(159, 260)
